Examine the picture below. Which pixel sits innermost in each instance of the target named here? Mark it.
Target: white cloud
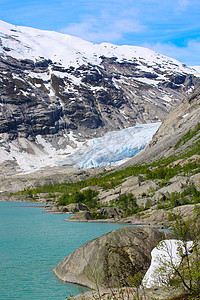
(105, 28)
(182, 5)
(187, 54)
(127, 26)
(87, 31)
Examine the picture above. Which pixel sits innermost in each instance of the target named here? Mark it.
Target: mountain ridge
(83, 92)
(32, 40)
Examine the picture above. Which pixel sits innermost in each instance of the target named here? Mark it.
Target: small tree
(183, 272)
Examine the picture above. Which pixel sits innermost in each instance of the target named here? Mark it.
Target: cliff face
(177, 124)
(89, 100)
(55, 85)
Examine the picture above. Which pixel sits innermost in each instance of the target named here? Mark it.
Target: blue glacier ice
(113, 148)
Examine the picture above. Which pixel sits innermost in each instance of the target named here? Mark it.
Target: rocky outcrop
(110, 259)
(134, 184)
(75, 207)
(111, 212)
(82, 216)
(70, 208)
(196, 180)
(177, 184)
(160, 218)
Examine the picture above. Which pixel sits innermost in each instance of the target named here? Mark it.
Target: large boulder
(195, 179)
(81, 216)
(111, 259)
(75, 207)
(111, 212)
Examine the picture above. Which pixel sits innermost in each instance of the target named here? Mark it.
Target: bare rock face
(133, 184)
(110, 259)
(75, 207)
(160, 218)
(180, 120)
(111, 212)
(114, 95)
(196, 180)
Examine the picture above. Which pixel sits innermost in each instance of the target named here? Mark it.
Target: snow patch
(167, 98)
(147, 81)
(166, 252)
(196, 68)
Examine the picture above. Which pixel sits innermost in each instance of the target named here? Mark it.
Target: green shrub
(88, 197)
(184, 274)
(128, 203)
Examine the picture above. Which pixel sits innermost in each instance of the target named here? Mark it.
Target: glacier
(113, 148)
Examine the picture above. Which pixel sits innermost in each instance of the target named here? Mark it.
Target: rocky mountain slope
(168, 177)
(178, 123)
(57, 91)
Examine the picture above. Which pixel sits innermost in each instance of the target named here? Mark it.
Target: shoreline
(43, 204)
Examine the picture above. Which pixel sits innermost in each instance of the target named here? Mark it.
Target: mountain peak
(58, 92)
(29, 43)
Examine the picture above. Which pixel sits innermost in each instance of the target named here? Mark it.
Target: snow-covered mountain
(196, 68)
(34, 44)
(58, 92)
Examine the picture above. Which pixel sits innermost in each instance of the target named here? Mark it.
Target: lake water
(32, 244)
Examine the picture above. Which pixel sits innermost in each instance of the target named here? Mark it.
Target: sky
(171, 27)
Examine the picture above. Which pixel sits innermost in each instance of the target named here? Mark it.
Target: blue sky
(170, 27)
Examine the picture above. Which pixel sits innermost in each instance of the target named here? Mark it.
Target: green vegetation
(190, 195)
(111, 180)
(88, 197)
(164, 173)
(189, 135)
(128, 203)
(96, 215)
(67, 193)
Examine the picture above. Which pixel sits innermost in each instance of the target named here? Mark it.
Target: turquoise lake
(32, 243)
